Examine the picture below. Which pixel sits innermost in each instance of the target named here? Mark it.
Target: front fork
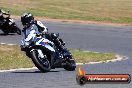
(40, 53)
(53, 56)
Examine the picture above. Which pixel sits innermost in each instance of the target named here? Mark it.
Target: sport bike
(44, 54)
(9, 26)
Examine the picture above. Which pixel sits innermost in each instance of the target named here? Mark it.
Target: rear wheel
(42, 64)
(70, 65)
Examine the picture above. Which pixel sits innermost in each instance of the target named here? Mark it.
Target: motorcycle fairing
(45, 42)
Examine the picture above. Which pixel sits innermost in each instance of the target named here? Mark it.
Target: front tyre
(42, 64)
(18, 31)
(70, 65)
(6, 32)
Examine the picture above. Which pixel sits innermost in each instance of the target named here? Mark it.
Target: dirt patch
(5, 48)
(85, 22)
(73, 21)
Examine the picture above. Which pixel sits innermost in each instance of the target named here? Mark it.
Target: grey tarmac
(91, 37)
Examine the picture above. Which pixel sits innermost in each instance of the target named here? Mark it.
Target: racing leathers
(41, 27)
(29, 33)
(51, 36)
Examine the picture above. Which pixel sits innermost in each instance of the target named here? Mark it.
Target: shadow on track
(2, 34)
(34, 72)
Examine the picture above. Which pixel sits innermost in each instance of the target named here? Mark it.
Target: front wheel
(70, 65)
(6, 32)
(42, 64)
(18, 31)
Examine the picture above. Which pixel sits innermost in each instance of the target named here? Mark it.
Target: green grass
(116, 11)
(12, 57)
(85, 57)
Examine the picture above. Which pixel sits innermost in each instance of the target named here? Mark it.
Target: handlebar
(40, 35)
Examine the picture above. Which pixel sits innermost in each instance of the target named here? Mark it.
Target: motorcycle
(41, 51)
(9, 26)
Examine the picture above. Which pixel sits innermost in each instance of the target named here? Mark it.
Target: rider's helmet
(27, 19)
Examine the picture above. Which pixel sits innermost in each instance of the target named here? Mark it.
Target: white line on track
(7, 44)
(19, 69)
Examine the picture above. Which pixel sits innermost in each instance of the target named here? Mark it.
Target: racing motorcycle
(9, 26)
(41, 51)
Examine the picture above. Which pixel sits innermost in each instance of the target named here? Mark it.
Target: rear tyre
(42, 64)
(70, 65)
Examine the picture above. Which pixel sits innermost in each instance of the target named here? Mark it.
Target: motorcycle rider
(31, 29)
(2, 13)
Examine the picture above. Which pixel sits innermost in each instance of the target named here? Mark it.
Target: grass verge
(86, 57)
(12, 57)
(115, 11)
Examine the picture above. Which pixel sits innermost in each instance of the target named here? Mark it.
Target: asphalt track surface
(92, 37)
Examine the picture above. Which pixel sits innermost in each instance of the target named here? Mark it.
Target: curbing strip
(118, 58)
(19, 69)
(7, 44)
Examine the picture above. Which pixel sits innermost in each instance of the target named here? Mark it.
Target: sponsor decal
(83, 78)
